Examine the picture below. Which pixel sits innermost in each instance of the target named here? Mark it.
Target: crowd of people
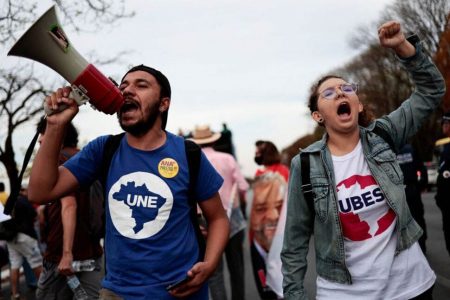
(173, 210)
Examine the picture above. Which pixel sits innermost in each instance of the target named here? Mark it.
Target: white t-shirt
(370, 237)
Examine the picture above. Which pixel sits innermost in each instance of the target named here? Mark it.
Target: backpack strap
(386, 137)
(193, 156)
(15, 189)
(111, 146)
(306, 180)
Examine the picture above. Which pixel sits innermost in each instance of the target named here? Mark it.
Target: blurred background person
(24, 245)
(232, 194)
(3, 193)
(443, 181)
(269, 195)
(66, 220)
(412, 166)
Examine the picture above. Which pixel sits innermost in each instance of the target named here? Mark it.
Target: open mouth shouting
(344, 110)
(128, 106)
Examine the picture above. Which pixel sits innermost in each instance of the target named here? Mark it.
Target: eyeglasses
(347, 88)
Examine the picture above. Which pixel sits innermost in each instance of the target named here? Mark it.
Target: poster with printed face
(269, 197)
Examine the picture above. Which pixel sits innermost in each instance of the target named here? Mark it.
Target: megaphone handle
(76, 94)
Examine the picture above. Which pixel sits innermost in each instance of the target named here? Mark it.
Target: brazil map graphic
(140, 204)
(357, 195)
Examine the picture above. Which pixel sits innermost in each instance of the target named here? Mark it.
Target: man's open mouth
(344, 109)
(129, 105)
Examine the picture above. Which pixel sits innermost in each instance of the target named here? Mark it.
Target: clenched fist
(391, 36)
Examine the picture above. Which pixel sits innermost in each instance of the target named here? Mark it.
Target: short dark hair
(269, 152)
(163, 82)
(70, 137)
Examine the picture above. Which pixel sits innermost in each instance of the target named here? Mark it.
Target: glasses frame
(354, 87)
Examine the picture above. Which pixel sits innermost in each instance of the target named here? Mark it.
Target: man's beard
(142, 126)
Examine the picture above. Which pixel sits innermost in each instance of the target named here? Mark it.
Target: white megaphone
(47, 43)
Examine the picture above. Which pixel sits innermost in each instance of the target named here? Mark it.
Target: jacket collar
(322, 143)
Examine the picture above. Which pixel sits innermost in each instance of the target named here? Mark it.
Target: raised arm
(47, 181)
(429, 85)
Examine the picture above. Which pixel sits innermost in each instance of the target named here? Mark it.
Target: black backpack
(8, 230)
(193, 155)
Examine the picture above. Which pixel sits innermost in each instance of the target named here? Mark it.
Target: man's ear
(317, 117)
(361, 107)
(164, 104)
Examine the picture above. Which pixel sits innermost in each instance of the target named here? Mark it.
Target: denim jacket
(324, 221)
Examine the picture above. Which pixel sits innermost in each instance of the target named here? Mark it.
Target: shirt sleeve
(208, 181)
(86, 163)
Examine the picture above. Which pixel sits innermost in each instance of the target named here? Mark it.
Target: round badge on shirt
(168, 168)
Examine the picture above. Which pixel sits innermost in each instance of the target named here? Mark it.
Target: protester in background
(411, 166)
(3, 194)
(24, 244)
(27, 270)
(3, 250)
(268, 158)
(66, 234)
(269, 194)
(443, 182)
(225, 142)
(232, 194)
(355, 205)
(4, 260)
(150, 240)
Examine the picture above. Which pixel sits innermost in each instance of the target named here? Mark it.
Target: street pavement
(437, 255)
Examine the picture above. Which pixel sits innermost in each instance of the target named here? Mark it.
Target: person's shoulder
(175, 140)
(98, 141)
(224, 156)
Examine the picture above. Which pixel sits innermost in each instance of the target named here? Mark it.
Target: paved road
(437, 255)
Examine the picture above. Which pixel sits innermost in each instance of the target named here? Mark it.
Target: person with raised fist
(352, 198)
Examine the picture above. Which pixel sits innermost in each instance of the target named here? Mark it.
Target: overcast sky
(247, 63)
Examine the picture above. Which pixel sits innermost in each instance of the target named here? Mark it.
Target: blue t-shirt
(150, 241)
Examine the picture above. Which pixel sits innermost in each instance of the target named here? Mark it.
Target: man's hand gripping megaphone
(63, 99)
(63, 103)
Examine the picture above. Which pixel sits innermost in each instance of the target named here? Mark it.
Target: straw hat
(203, 135)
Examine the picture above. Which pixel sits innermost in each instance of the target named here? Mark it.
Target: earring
(320, 120)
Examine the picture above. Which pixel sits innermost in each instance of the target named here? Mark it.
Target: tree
(442, 59)
(18, 105)
(22, 89)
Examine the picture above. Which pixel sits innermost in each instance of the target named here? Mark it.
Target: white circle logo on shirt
(363, 210)
(139, 205)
